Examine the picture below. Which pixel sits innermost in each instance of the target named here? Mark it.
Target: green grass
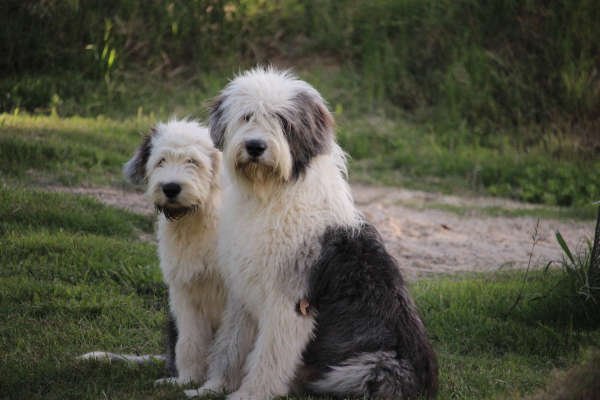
(77, 276)
(487, 352)
(395, 151)
(67, 151)
(65, 213)
(74, 285)
(384, 149)
(74, 276)
(542, 212)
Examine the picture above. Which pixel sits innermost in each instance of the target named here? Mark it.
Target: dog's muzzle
(175, 213)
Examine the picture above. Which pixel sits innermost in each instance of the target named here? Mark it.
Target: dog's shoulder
(361, 240)
(354, 262)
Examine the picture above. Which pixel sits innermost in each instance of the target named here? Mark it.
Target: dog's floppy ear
(314, 115)
(216, 122)
(309, 127)
(134, 170)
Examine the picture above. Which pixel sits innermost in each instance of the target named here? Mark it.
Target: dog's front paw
(209, 388)
(173, 380)
(239, 395)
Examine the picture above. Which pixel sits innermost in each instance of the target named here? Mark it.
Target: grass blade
(564, 246)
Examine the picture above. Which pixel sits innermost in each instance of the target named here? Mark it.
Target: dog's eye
(191, 161)
(160, 162)
(283, 121)
(247, 117)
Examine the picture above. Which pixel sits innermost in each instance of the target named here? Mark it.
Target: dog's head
(270, 125)
(179, 165)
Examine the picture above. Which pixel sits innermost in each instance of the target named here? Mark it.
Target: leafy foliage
(582, 274)
(490, 65)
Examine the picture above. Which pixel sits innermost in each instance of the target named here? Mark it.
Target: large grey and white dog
(180, 167)
(315, 302)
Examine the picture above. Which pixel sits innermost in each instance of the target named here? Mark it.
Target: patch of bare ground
(126, 199)
(424, 240)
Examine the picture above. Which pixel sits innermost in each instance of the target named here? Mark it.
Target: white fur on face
(183, 154)
(284, 113)
(274, 163)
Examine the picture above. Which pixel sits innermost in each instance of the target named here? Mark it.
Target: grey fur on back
(369, 339)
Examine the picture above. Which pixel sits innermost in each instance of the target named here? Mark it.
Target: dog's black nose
(255, 147)
(171, 190)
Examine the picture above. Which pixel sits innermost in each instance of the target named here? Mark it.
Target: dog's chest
(267, 255)
(185, 255)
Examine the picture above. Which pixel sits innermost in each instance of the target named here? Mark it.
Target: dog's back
(369, 339)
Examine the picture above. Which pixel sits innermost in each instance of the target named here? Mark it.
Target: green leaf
(565, 247)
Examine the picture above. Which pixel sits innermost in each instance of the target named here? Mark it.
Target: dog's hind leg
(272, 364)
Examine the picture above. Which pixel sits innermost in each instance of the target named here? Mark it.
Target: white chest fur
(187, 249)
(265, 246)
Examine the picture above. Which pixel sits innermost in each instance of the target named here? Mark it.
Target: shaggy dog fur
(180, 166)
(315, 302)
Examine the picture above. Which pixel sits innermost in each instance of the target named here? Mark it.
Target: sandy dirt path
(425, 240)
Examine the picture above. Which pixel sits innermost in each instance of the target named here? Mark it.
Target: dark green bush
(490, 64)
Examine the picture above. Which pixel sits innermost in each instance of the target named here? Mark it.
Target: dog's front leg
(282, 336)
(229, 351)
(194, 335)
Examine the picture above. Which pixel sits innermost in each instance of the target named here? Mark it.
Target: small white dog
(181, 168)
(315, 302)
